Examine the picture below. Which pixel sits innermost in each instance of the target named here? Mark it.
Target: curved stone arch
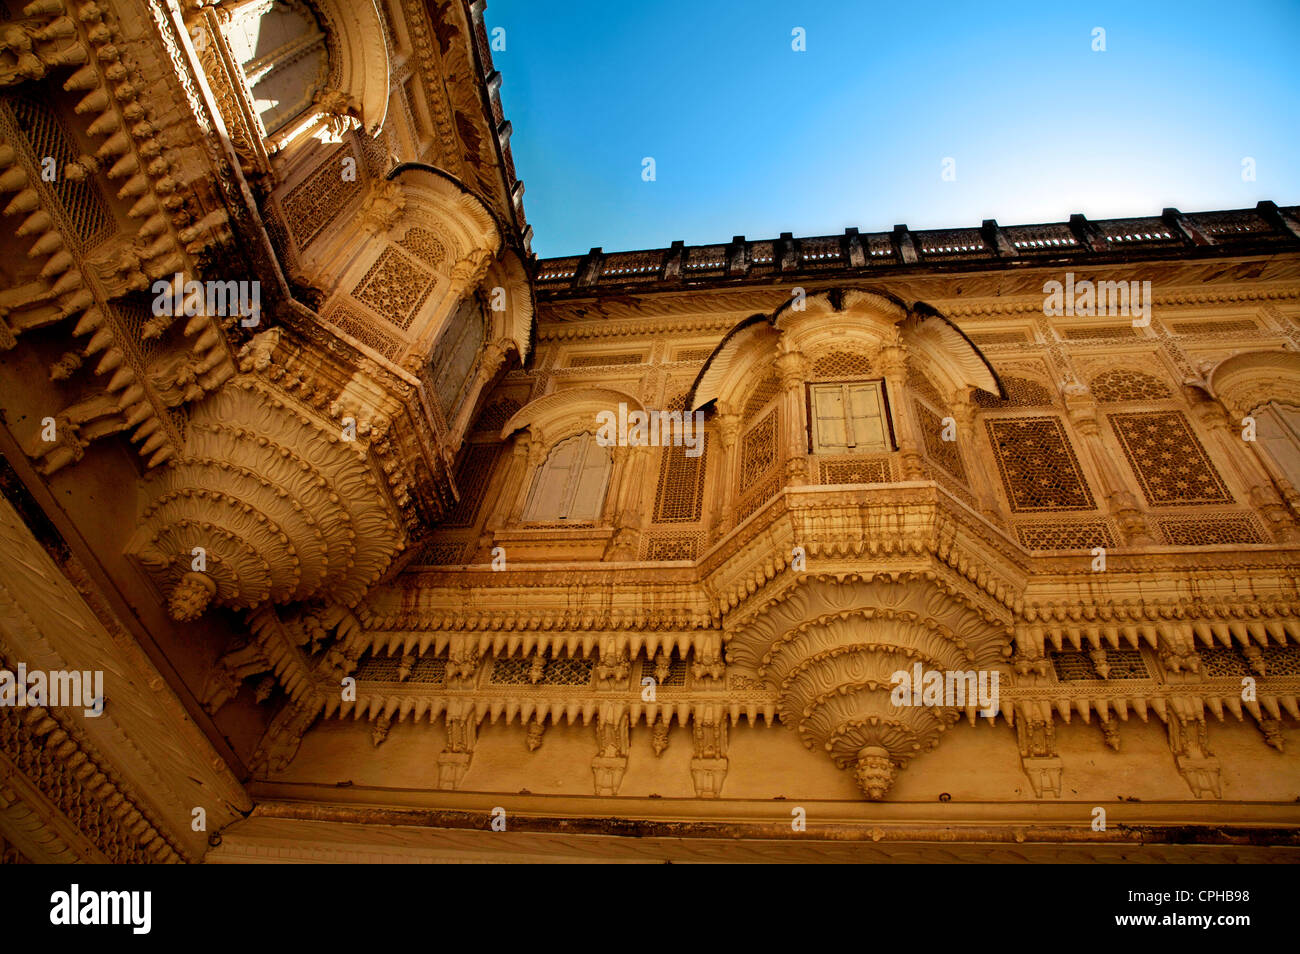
(1245, 381)
(376, 277)
(724, 374)
(516, 322)
(555, 417)
(865, 321)
(363, 67)
(356, 91)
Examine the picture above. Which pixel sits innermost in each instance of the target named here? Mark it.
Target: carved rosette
(266, 502)
(832, 649)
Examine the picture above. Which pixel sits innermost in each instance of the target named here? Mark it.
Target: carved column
(893, 365)
(792, 368)
(1120, 502)
(622, 509)
(535, 456)
(722, 514)
(510, 489)
(1036, 733)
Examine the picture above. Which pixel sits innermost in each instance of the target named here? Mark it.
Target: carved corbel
(709, 764)
(280, 743)
(382, 207)
(462, 665)
(533, 737)
(659, 738)
(611, 749)
(232, 669)
(462, 734)
(612, 666)
(342, 113)
(72, 432)
(1036, 733)
(1110, 732)
(1189, 740)
(379, 731)
(708, 659)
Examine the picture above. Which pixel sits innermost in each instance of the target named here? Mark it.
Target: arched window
(1277, 428)
(281, 50)
(571, 484)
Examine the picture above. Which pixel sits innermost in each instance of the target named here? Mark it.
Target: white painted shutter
(867, 417)
(828, 419)
(591, 476)
(552, 485)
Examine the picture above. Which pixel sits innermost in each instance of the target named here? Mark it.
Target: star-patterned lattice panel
(1038, 466)
(395, 287)
(1169, 461)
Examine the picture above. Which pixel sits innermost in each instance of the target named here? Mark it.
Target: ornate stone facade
(354, 563)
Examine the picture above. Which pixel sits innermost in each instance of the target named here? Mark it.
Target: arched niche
(309, 67)
(564, 413)
(843, 320)
(426, 247)
(1261, 392)
(543, 428)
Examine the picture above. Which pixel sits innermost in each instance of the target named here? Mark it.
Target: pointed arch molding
(362, 49)
(836, 317)
(568, 412)
(1245, 381)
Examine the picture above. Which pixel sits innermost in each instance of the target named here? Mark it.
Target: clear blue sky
(750, 137)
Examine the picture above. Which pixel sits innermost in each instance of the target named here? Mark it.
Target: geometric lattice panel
(1038, 466)
(1217, 530)
(443, 554)
(83, 203)
(598, 360)
(1021, 392)
(758, 450)
(472, 482)
(363, 328)
(395, 287)
(424, 245)
(1282, 661)
(1169, 461)
(942, 452)
(1223, 661)
(841, 364)
(313, 203)
(765, 492)
(858, 470)
(494, 416)
(764, 392)
(680, 496)
(1123, 384)
(1077, 535)
(1079, 667)
(524, 671)
(672, 546)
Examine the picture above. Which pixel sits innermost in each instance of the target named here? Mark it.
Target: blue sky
(752, 138)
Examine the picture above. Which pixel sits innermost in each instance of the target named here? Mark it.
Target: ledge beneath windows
(553, 541)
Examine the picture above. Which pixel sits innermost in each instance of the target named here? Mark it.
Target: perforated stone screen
(1170, 463)
(1037, 465)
